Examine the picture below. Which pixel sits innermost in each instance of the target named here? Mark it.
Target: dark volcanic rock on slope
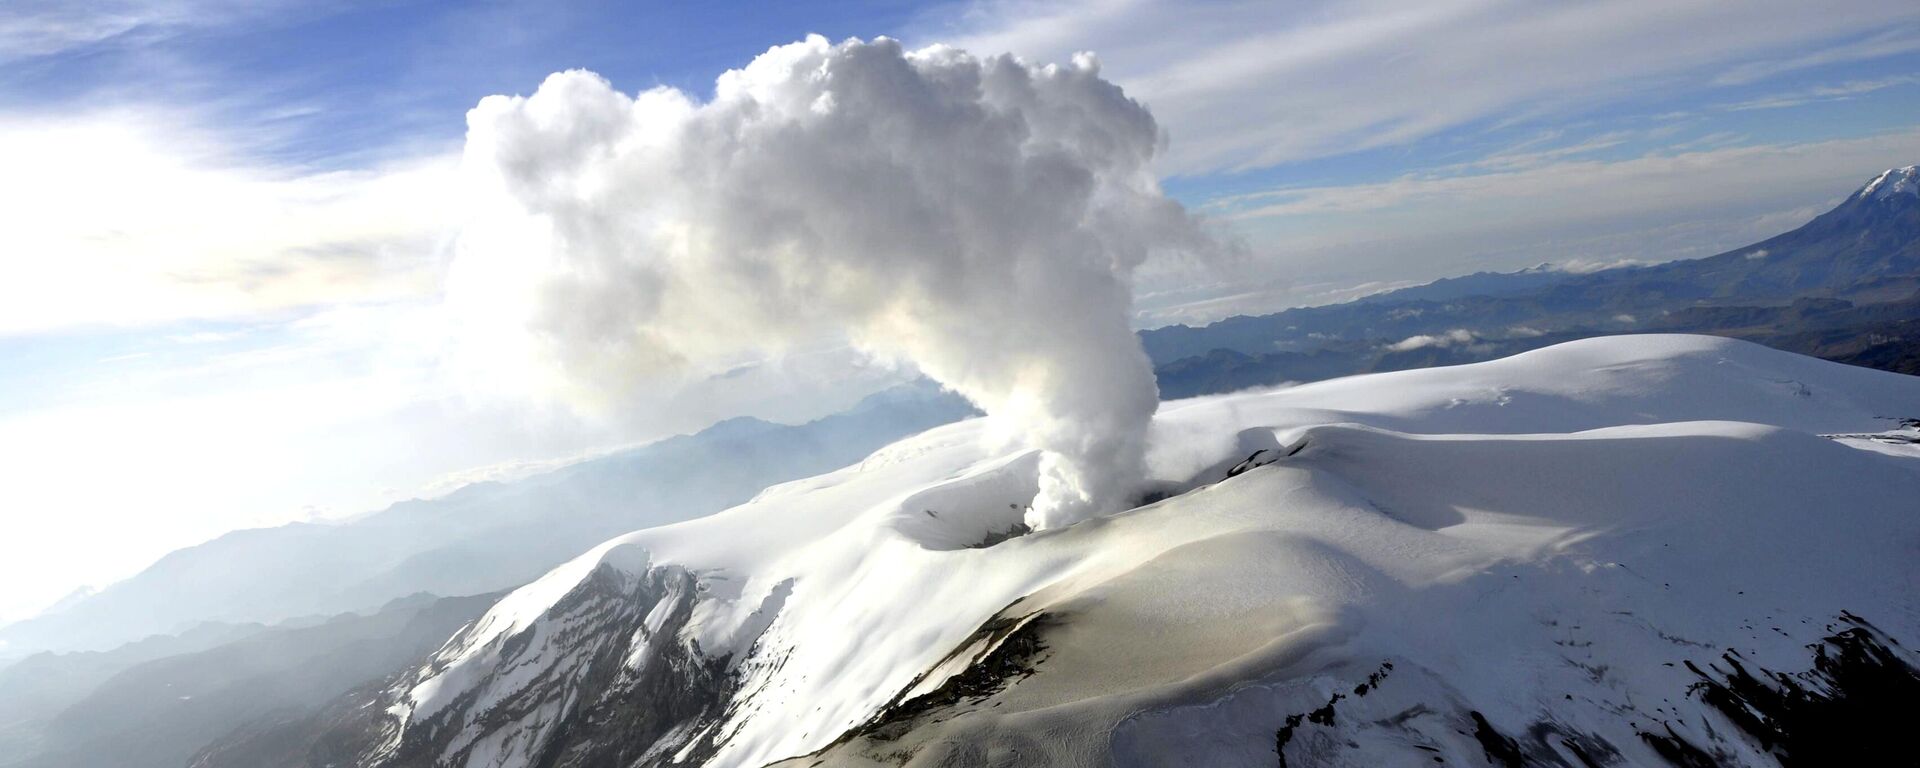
(1848, 706)
(618, 687)
(1852, 705)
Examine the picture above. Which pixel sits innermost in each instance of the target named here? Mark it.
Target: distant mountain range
(153, 704)
(481, 538)
(239, 619)
(1845, 287)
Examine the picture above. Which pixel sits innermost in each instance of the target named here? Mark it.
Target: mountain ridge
(479, 538)
(1373, 509)
(1864, 252)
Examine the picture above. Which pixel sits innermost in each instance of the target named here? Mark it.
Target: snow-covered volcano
(1593, 554)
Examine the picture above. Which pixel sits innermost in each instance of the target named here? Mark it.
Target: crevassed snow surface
(1556, 525)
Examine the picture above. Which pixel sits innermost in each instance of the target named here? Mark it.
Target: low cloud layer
(977, 218)
(1450, 338)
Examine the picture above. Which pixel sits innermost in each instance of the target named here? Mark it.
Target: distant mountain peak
(72, 599)
(1894, 182)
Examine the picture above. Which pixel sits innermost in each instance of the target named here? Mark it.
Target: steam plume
(980, 218)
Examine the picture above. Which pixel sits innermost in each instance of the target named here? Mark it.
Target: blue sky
(347, 85)
(219, 306)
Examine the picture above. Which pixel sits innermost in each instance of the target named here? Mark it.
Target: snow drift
(980, 218)
(1546, 559)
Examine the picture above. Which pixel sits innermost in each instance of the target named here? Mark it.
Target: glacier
(1576, 556)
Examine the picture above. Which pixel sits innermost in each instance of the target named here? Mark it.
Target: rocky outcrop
(604, 679)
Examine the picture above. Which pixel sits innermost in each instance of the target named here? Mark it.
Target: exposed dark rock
(1678, 751)
(1323, 715)
(1501, 749)
(590, 705)
(1252, 461)
(1015, 531)
(1014, 647)
(1592, 751)
(1004, 649)
(1855, 706)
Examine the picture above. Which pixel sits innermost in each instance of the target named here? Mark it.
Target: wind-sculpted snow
(1515, 560)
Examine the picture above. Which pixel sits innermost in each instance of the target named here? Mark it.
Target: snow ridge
(1892, 183)
(1535, 545)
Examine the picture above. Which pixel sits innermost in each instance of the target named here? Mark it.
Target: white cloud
(979, 218)
(155, 458)
(1595, 188)
(1816, 94)
(1242, 85)
(143, 217)
(132, 217)
(1519, 158)
(1875, 43)
(1457, 336)
(337, 413)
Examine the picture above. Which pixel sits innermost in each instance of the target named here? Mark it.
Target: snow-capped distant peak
(72, 599)
(1893, 182)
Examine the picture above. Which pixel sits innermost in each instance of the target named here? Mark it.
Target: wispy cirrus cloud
(1578, 210)
(1870, 43)
(34, 28)
(1250, 85)
(1650, 182)
(1819, 93)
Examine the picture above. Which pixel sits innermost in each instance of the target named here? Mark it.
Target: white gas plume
(978, 217)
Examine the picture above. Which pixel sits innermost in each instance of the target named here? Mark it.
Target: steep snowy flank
(1591, 554)
(1896, 181)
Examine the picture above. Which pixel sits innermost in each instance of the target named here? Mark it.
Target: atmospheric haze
(980, 219)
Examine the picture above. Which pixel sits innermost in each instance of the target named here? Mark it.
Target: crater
(984, 507)
(988, 503)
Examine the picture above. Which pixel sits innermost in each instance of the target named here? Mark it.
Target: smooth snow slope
(1543, 540)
